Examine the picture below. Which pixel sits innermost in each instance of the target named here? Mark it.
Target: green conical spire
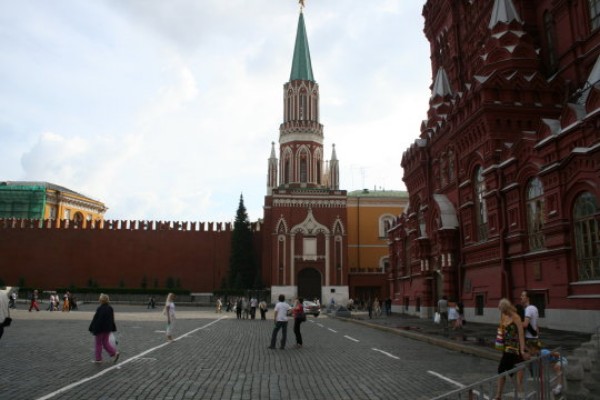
(301, 66)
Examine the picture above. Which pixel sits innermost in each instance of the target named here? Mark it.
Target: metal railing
(537, 376)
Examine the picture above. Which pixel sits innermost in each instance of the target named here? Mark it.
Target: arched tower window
(318, 169)
(286, 168)
(586, 236)
(303, 167)
(303, 105)
(481, 206)
(535, 214)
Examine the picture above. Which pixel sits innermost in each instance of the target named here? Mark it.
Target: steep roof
(301, 65)
(503, 11)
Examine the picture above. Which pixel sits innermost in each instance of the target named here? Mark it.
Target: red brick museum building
(504, 179)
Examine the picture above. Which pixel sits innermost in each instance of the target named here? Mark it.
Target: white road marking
(386, 353)
(351, 338)
(119, 365)
(331, 330)
(442, 377)
(320, 325)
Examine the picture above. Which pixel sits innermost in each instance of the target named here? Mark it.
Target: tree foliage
(243, 268)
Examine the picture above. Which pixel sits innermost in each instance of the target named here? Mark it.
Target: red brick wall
(48, 258)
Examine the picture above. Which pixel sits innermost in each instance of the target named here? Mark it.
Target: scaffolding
(23, 202)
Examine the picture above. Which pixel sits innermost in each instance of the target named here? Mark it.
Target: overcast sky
(166, 110)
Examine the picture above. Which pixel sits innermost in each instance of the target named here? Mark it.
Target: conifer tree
(243, 270)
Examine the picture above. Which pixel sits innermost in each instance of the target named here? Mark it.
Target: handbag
(7, 322)
(499, 342)
(437, 318)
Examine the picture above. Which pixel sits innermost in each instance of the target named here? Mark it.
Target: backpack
(301, 316)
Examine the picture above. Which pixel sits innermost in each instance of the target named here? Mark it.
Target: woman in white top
(169, 311)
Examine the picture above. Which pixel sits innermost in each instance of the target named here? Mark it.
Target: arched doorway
(309, 284)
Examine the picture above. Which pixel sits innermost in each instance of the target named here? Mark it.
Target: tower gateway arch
(305, 239)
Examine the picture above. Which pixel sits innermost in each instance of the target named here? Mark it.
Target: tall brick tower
(304, 242)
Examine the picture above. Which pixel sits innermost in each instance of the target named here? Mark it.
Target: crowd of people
(68, 302)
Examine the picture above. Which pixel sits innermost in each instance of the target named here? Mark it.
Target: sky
(166, 110)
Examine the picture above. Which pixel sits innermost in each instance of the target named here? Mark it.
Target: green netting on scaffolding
(25, 202)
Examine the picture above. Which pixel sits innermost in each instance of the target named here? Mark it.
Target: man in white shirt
(281, 320)
(530, 324)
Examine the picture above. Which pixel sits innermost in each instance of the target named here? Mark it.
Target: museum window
(587, 238)
(451, 168)
(479, 304)
(550, 30)
(422, 225)
(594, 13)
(535, 214)
(481, 206)
(407, 250)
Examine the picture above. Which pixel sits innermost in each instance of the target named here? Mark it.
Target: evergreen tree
(243, 270)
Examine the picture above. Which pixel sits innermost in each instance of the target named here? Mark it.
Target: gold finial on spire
(302, 5)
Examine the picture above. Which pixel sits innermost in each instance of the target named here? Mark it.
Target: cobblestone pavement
(46, 355)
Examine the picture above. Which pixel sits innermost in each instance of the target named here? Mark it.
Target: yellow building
(44, 200)
(370, 215)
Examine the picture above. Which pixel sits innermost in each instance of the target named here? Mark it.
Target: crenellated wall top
(128, 225)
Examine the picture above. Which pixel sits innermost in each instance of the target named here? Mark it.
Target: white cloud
(167, 111)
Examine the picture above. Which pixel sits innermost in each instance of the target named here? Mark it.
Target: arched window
(319, 169)
(587, 238)
(303, 168)
(385, 224)
(289, 105)
(451, 171)
(286, 169)
(303, 105)
(481, 206)
(444, 171)
(422, 224)
(550, 32)
(594, 13)
(535, 214)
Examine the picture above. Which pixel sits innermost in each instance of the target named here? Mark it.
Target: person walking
(66, 305)
(4, 310)
(530, 322)
(443, 310)
(169, 311)
(238, 308)
(12, 303)
(102, 325)
(514, 350)
(219, 306)
(151, 303)
(281, 321)
(299, 318)
(34, 303)
(253, 305)
(262, 306)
